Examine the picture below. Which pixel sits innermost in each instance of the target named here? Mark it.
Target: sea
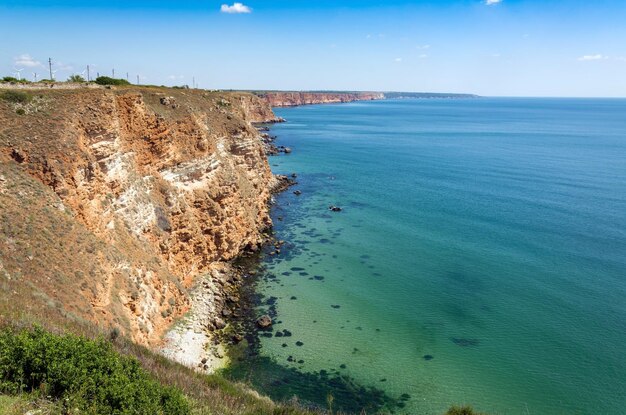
(479, 258)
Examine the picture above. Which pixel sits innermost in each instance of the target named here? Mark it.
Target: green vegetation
(81, 373)
(14, 80)
(105, 80)
(15, 97)
(76, 78)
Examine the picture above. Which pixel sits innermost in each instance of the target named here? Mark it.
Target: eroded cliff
(292, 99)
(114, 201)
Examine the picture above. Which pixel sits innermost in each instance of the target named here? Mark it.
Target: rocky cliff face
(291, 99)
(114, 201)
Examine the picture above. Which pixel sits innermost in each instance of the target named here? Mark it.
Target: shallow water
(480, 256)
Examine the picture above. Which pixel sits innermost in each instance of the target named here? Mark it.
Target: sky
(564, 48)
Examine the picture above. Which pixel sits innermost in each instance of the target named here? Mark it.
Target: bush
(82, 373)
(14, 80)
(75, 78)
(105, 80)
(15, 97)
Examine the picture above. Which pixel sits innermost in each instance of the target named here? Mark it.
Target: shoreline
(278, 380)
(202, 339)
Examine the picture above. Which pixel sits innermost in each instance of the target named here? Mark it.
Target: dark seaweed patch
(463, 342)
(281, 383)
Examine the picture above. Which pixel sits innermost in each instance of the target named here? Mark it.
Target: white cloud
(236, 8)
(398, 59)
(422, 47)
(423, 56)
(492, 2)
(596, 57)
(27, 61)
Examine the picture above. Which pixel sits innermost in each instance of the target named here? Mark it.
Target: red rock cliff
(113, 201)
(291, 99)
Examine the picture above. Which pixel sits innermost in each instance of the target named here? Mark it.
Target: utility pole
(113, 72)
(35, 75)
(137, 79)
(50, 67)
(193, 82)
(88, 78)
(127, 76)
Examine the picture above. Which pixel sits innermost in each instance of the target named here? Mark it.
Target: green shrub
(105, 80)
(75, 78)
(82, 373)
(16, 97)
(15, 80)
(20, 111)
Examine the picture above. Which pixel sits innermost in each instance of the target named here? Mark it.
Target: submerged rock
(264, 321)
(334, 208)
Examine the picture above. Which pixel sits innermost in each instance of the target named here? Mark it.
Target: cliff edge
(292, 99)
(114, 201)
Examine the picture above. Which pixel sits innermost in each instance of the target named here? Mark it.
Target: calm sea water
(480, 256)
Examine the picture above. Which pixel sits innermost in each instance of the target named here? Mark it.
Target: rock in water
(264, 321)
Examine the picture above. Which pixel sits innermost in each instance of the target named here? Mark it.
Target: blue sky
(510, 47)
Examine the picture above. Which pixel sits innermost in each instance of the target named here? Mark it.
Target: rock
(237, 338)
(167, 100)
(226, 312)
(297, 192)
(232, 299)
(219, 323)
(287, 150)
(203, 360)
(334, 208)
(264, 321)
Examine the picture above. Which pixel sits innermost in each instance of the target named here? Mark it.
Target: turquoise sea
(480, 257)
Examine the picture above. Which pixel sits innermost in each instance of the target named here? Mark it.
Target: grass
(16, 97)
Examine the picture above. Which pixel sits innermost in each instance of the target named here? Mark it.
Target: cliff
(115, 201)
(291, 99)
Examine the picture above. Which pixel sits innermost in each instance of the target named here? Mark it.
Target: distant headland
(296, 98)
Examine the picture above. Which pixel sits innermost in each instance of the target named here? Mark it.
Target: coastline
(204, 337)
